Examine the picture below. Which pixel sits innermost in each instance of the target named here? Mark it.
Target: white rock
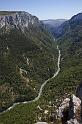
(39, 118)
(72, 121)
(7, 47)
(27, 61)
(39, 108)
(41, 123)
(20, 20)
(77, 102)
(64, 104)
(46, 112)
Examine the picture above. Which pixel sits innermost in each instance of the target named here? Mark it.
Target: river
(41, 88)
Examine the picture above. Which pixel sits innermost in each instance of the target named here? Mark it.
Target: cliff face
(70, 110)
(19, 20)
(25, 49)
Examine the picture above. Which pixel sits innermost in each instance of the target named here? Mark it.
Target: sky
(44, 9)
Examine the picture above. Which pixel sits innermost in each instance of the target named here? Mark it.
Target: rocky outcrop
(70, 110)
(19, 20)
(41, 123)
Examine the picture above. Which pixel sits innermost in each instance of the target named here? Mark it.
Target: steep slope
(70, 76)
(52, 24)
(71, 37)
(68, 26)
(70, 42)
(27, 57)
(59, 89)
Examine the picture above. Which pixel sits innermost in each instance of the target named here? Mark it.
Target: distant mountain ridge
(53, 24)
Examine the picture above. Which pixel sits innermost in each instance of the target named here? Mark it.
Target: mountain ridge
(34, 60)
(17, 19)
(52, 25)
(25, 52)
(76, 20)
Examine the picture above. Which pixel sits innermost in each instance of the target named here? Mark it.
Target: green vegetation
(35, 53)
(58, 88)
(68, 78)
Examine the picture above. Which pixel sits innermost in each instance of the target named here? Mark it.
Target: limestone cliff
(70, 110)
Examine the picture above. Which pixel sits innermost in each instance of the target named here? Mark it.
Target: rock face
(19, 20)
(25, 49)
(69, 26)
(41, 123)
(70, 110)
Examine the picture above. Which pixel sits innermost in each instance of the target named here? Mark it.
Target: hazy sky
(45, 9)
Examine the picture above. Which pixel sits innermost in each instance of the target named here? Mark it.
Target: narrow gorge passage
(42, 86)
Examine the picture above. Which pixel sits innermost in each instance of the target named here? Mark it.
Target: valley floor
(30, 103)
